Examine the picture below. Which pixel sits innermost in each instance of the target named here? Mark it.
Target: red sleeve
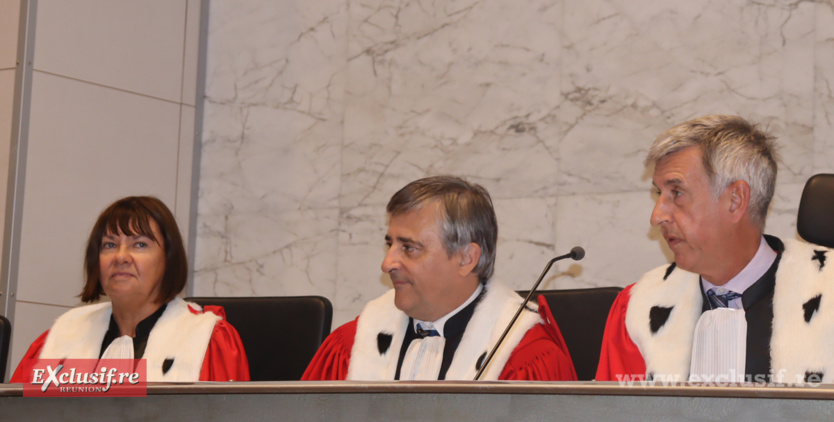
(23, 373)
(333, 357)
(542, 354)
(225, 358)
(619, 355)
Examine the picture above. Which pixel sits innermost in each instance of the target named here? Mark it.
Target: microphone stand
(576, 253)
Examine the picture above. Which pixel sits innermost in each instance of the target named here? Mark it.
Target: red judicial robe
(225, 358)
(788, 321)
(619, 354)
(541, 355)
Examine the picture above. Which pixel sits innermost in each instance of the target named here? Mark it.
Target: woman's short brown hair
(131, 216)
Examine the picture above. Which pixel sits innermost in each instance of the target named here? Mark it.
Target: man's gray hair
(731, 149)
(466, 215)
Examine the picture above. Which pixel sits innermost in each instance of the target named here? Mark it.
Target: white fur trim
(491, 316)
(379, 316)
(178, 334)
(668, 351)
(797, 346)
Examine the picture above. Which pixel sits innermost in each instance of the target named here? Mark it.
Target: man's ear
(469, 259)
(739, 199)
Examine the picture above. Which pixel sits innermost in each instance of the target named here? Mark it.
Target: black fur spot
(814, 377)
(819, 256)
(658, 316)
(167, 364)
(669, 270)
(811, 307)
(383, 342)
(480, 361)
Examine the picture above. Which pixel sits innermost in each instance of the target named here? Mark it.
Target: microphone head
(577, 253)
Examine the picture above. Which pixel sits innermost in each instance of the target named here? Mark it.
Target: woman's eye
(141, 244)
(108, 245)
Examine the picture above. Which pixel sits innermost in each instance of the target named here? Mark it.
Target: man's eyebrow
(668, 182)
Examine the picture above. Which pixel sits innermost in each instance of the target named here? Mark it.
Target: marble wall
(317, 112)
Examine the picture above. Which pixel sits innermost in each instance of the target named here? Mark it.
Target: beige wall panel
(9, 24)
(88, 145)
(131, 45)
(191, 53)
(31, 320)
(6, 108)
(184, 166)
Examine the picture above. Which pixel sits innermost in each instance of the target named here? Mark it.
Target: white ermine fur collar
(803, 314)
(802, 341)
(666, 352)
(178, 335)
(492, 314)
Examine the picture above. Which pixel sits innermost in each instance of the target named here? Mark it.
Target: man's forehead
(677, 167)
(414, 222)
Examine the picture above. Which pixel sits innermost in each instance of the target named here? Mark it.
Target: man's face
(693, 223)
(428, 283)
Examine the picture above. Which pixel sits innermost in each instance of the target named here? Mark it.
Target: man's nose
(660, 213)
(391, 261)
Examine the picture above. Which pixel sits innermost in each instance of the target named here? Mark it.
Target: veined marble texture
(317, 112)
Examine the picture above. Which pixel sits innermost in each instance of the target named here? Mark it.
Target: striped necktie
(721, 300)
(423, 333)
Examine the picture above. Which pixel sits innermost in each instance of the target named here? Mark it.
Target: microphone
(576, 254)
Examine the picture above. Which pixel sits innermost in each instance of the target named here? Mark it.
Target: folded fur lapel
(668, 351)
(78, 333)
(799, 347)
(380, 316)
(488, 322)
(181, 336)
(178, 335)
(491, 316)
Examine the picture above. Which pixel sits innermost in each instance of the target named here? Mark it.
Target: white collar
(751, 273)
(440, 323)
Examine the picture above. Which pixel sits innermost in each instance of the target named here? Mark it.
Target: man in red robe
(445, 312)
(736, 305)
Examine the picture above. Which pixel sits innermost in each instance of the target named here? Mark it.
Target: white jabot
(719, 346)
(751, 273)
(120, 348)
(423, 358)
(441, 322)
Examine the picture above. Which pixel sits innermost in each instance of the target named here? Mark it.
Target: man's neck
(738, 254)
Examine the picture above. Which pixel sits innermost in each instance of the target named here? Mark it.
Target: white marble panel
(361, 251)
(135, 46)
(30, 321)
(526, 242)
(824, 88)
(278, 254)
(449, 88)
(274, 110)
(9, 25)
(620, 244)
(88, 146)
(781, 216)
(633, 70)
(267, 159)
(192, 50)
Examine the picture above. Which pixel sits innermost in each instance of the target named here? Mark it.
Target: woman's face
(132, 266)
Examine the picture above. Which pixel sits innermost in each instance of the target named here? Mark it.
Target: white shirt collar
(441, 322)
(751, 273)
